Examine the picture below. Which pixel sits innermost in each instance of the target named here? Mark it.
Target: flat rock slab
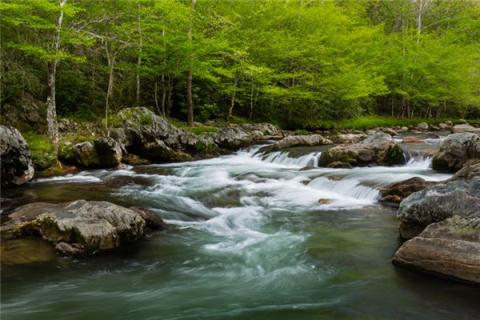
(80, 227)
(450, 248)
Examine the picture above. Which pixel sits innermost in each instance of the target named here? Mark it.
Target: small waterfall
(283, 158)
(349, 188)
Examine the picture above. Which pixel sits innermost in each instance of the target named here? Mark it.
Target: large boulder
(79, 227)
(301, 140)
(378, 148)
(460, 128)
(16, 159)
(101, 153)
(394, 193)
(455, 150)
(469, 170)
(450, 248)
(154, 138)
(238, 136)
(437, 203)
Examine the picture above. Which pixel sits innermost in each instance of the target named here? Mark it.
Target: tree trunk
(232, 101)
(51, 103)
(139, 60)
(189, 73)
(164, 94)
(250, 115)
(111, 65)
(155, 95)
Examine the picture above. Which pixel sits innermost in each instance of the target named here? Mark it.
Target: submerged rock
(450, 248)
(378, 148)
(16, 159)
(394, 193)
(79, 227)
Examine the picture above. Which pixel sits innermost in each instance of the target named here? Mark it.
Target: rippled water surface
(252, 236)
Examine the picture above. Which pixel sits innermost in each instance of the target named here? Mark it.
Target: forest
(293, 63)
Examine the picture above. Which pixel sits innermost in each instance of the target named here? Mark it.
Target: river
(251, 236)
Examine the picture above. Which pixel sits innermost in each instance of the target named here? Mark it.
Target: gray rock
(16, 159)
(455, 150)
(469, 170)
(378, 148)
(301, 140)
(394, 193)
(79, 226)
(422, 126)
(460, 128)
(437, 203)
(344, 138)
(450, 248)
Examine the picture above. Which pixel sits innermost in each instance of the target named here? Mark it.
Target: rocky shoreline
(440, 221)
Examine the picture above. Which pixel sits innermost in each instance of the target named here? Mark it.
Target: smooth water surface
(252, 236)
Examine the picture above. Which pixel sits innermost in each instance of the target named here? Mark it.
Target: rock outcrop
(378, 148)
(450, 248)
(443, 225)
(394, 193)
(16, 159)
(101, 153)
(437, 203)
(80, 227)
(455, 151)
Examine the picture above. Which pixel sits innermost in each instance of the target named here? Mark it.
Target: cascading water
(253, 235)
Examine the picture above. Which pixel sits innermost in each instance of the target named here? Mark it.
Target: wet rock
(109, 152)
(422, 126)
(450, 248)
(101, 153)
(324, 201)
(152, 219)
(443, 126)
(394, 193)
(412, 139)
(78, 227)
(25, 251)
(233, 138)
(301, 140)
(133, 159)
(152, 137)
(455, 151)
(16, 159)
(460, 128)
(390, 131)
(469, 170)
(378, 148)
(345, 138)
(439, 202)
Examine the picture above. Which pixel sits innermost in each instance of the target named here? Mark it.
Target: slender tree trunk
(250, 115)
(164, 94)
(51, 103)
(189, 73)
(139, 60)
(169, 95)
(232, 101)
(155, 95)
(111, 66)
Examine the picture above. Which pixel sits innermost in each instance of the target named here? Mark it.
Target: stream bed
(251, 236)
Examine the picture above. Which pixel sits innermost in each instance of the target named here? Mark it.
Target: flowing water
(251, 236)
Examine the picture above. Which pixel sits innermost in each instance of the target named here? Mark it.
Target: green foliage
(299, 64)
(43, 152)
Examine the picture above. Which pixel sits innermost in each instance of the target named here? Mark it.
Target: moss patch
(43, 151)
